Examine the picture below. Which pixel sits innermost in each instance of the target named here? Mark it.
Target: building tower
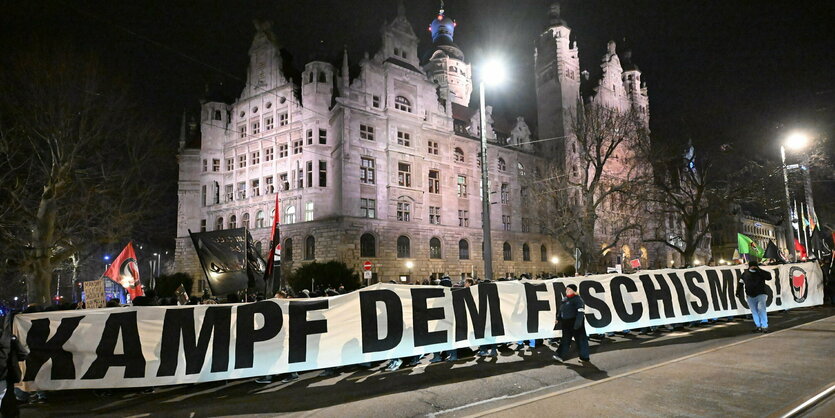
(636, 90)
(446, 66)
(557, 77)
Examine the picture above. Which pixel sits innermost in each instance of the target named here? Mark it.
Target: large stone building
(383, 165)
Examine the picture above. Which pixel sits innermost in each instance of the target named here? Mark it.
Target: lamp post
(492, 73)
(409, 266)
(796, 141)
(555, 260)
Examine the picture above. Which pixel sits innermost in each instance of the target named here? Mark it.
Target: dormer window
(322, 78)
(402, 103)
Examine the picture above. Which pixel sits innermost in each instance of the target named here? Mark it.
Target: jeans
(757, 305)
(579, 335)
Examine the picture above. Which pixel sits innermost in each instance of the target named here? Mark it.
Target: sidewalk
(762, 376)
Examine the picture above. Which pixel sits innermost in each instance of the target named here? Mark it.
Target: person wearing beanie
(571, 320)
(753, 283)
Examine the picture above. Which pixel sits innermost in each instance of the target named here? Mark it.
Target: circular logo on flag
(127, 273)
(799, 284)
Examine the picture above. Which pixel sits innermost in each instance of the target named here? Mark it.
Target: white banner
(152, 346)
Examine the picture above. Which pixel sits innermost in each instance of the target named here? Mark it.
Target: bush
(324, 275)
(166, 285)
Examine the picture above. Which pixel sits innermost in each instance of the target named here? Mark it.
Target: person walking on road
(753, 283)
(571, 320)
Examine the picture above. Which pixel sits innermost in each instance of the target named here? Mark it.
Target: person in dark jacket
(12, 353)
(753, 283)
(571, 320)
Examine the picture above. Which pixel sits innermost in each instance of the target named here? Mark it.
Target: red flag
(274, 237)
(125, 271)
(800, 249)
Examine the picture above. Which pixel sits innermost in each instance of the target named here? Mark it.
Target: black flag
(228, 259)
(772, 252)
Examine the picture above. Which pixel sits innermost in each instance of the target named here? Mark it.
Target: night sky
(718, 71)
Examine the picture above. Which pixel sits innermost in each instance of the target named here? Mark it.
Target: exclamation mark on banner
(777, 287)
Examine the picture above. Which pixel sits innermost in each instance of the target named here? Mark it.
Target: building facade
(382, 165)
(744, 220)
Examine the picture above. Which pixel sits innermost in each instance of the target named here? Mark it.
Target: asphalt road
(442, 389)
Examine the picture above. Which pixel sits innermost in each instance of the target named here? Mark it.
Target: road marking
(597, 382)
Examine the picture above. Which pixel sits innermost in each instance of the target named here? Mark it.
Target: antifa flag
(800, 249)
(228, 258)
(275, 238)
(125, 271)
(772, 252)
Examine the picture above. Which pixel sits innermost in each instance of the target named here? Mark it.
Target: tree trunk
(38, 283)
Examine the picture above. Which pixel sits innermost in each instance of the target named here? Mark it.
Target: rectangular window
(462, 186)
(242, 161)
(323, 174)
(300, 178)
(256, 127)
(256, 187)
(256, 157)
(366, 170)
(404, 138)
(375, 101)
(202, 225)
(309, 136)
(506, 222)
(203, 194)
(230, 192)
(463, 218)
(308, 211)
(368, 208)
(367, 132)
(309, 167)
(505, 192)
(404, 211)
(434, 215)
(242, 131)
(269, 123)
(526, 225)
(283, 183)
(283, 119)
(230, 164)
(216, 164)
(269, 154)
(242, 190)
(269, 187)
(205, 165)
(282, 150)
(404, 174)
(433, 148)
(434, 181)
(297, 147)
(323, 136)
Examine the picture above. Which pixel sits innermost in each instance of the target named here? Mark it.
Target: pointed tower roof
(443, 32)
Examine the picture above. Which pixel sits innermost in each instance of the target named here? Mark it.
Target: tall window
(323, 173)
(526, 224)
(505, 193)
(434, 248)
(433, 148)
(402, 103)
(269, 123)
(245, 220)
(367, 132)
(289, 215)
(463, 250)
(269, 187)
(203, 193)
(323, 136)
(230, 192)
(458, 155)
(230, 164)
(403, 247)
(543, 253)
(308, 211)
(404, 211)
(219, 224)
(242, 131)
(462, 186)
(256, 187)
(242, 161)
(202, 225)
(256, 157)
(269, 154)
(283, 120)
(233, 222)
(287, 250)
(506, 252)
(502, 165)
(310, 248)
(297, 147)
(282, 150)
(242, 190)
(375, 101)
(404, 174)
(309, 167)
(309, 136)
(434, 215)
(404, 138)
(464, 218)
(259, 219)
(256, 127)
(368, 208)
(526, 252)
(506, 222)
(366, 170)
(368, 245)
(434, 181)
(216, 165)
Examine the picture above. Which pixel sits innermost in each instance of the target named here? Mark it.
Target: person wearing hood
(753, 283)
(571, 320)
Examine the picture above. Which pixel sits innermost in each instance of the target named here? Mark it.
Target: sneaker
(436, 359)
(558, 359)
(394, 365)
(293, 376)
(493, 353)
(452, 358)
(757, 329)
(264, 380)
(482, 353)
(764, 330)
(327, 373)
(416, 361)
(585, 360)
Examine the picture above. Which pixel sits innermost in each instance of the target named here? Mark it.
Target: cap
(572, 287)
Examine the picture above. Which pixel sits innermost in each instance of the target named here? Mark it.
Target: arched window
(434, 248)
(543, 253)
(458, 155)
(290, 215)
(287, 250)
(502, 165)
(521, 169)
(368, 245)
(463, 250)
(402, 103)
(506, 252)
(259, 219)
(233, 222)
(219, 224)
(245, 220)
(310, 248)
(403, 247)
(526, 252)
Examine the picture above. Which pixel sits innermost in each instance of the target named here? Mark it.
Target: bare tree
(79, 165)
(589, 192)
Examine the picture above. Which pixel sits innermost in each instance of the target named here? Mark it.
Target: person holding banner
(571, 320)
(753, 281)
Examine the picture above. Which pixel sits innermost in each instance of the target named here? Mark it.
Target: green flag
(748, 246)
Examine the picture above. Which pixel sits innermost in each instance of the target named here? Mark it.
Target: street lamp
(555, 260)
(409, 266)
(491, 72)
(795, 141)
(157, 255)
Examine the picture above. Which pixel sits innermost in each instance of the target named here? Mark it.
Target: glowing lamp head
(697, 262)
(721, 261)
(493, 72)
(797, 140)
(409, 264)
(106, 258)
(555, 260)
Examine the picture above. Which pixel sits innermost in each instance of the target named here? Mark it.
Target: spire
(554, 17)
(345, 75)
